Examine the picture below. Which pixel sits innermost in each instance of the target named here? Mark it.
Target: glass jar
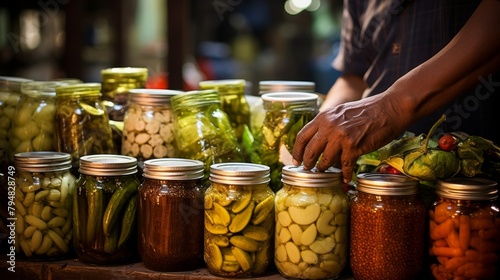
(257, 111)
(104, 211)
(171, 214)
(311, 235)
(286, 115)
(116, 84)
(465, 230)
(202, 130)
(33, 124)
(239, 220)
(44, 203)
(387, 228)
(10, 92)
(82, 123)
(233, 102)
(148, 130)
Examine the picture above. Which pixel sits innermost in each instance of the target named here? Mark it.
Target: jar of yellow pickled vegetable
(233, 102)
(82, 123)
(465, 230)
(44, 191)
(10, 92)
(104, 210)
(286, 115)
(239, 220)
(387, 228)
(202, 130)
(312, 218)
(148, 130)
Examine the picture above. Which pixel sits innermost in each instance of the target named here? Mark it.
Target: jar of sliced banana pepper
(311, 224)
(239, 220)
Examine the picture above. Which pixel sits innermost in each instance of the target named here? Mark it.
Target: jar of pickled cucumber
(233, 102)
(33, 126)
(239, 220)
(387, 228)
(44, 202)
(148, 130)
(171, 214)
(82, 123)
(10, 92)
(202, 130)
(104, 212)
(286, 115)
(312, 217)
(257, 111)
(465, 229)
(116, 84)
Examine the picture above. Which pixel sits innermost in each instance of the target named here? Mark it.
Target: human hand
(341, 134)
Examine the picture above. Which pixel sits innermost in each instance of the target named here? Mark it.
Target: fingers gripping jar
(311, 224)
(239, 220)
(387, 228)
(465, 230)
(44, 202)
(171, 214)
(104, 210)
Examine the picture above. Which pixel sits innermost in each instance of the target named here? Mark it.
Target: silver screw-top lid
(175, 169)
(386, 184)
(467, 188)
(239, 173)
(152, 97)
(42, 161)
(108, 165)
(298, 176)
(278, 86)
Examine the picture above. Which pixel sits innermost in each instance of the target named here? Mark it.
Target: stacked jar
(239, 220)
(171, 214)
(104, 209)
(233, 102)
(202, 130)
(10, 92)
(311, 236)
(116, 84)
(387, 228)
(82, 123)
(286, 115)
(465, 230)
(44, 204)
(148, 130)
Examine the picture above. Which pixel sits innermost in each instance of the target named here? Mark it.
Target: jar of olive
(10, 92)
(116, 83)
(82, 123)
(387, 228)
(148, 130)
(104, 211)
(286, 114)
(233, 102)
(171, 214)
(33, 124)
(239, 220)
(202, 130)
(465, 229)
(44, 191)
(311, 235)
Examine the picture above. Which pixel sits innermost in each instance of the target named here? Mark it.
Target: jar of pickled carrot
(465, 230)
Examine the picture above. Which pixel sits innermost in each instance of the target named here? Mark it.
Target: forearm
(346, 88)
(473, 53)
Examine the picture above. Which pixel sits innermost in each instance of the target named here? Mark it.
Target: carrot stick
(476, 270)
(455, 263)
(440, 243)
(475, 256)
(487, 233)
(477, 224)
(447, 252)
(442, 230)
(443, 260)
(464, 232)
(483, 246)
(452, 239)
(442, 212)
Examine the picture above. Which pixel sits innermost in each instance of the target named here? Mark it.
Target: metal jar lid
(42, 161)
(124, 74)
(386, 184)
(152, 97)
(467, 188)
(290, 100)
(239, 173)
(298, 176)
(278, 86)
(175, 169)
(224, 87)
(108, 165)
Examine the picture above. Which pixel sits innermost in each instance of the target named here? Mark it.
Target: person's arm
(346, 88)
(344, 133)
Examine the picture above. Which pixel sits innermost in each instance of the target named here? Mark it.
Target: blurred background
(180, 42)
